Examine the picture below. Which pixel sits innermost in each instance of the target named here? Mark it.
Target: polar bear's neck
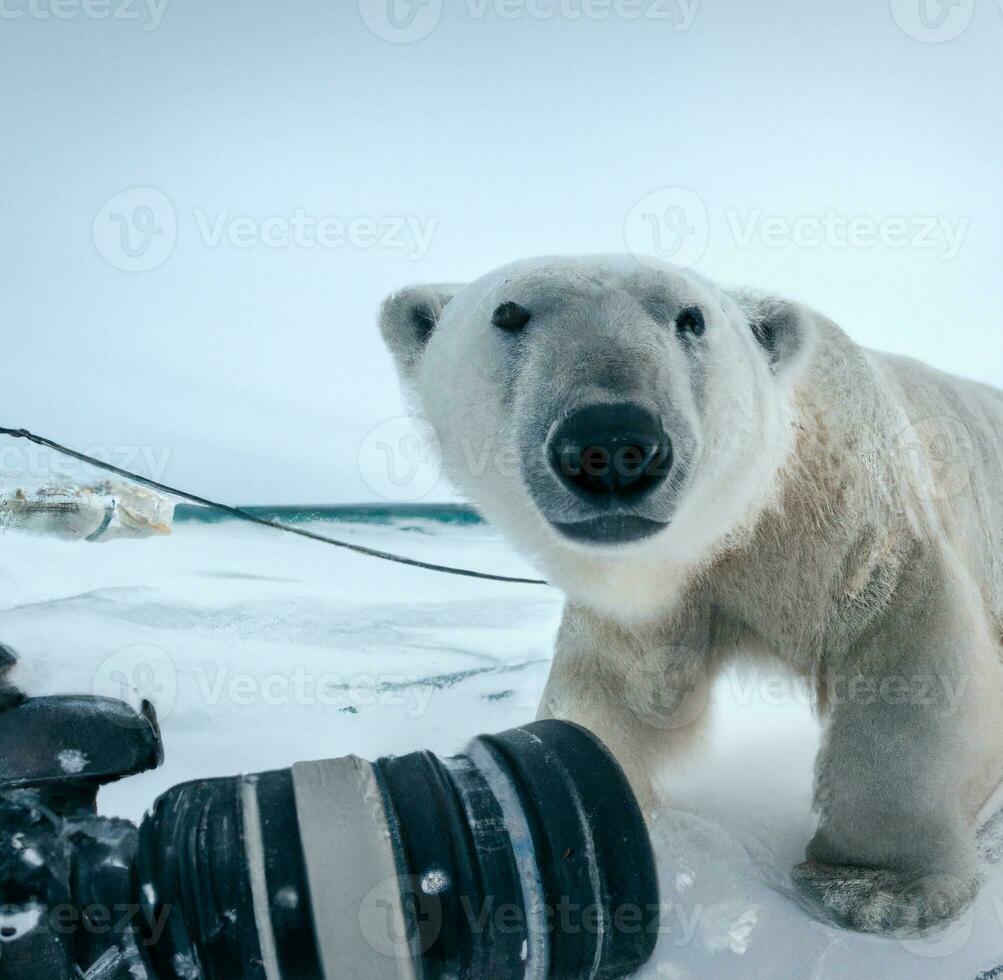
(824, 557)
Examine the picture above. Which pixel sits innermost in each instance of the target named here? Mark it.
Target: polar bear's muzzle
(608, 461)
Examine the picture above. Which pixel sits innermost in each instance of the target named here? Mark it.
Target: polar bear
(708, 472)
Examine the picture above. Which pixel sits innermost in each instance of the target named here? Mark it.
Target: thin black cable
(246, 515)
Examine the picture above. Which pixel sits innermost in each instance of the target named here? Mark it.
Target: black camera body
(67, 903)
(524, 857)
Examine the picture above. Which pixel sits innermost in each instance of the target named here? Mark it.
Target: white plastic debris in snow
(88, 513)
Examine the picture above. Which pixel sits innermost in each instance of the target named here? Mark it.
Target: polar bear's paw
(880, 900)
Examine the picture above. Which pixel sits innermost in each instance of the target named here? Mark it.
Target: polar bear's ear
(408, 318)
(780, 327)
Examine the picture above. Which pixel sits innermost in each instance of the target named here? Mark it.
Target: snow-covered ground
(261, 649)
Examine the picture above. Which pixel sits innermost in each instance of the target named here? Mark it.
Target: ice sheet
(261, 649)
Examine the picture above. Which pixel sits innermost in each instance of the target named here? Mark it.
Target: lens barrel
(221, 881)
(524, 857)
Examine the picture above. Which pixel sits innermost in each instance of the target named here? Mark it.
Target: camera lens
(524, 857)
(221, 880)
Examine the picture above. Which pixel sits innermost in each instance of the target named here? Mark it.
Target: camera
(524, 856)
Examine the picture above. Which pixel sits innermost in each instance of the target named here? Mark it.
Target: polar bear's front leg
(645, 694)
(895, 846)
(892, 852)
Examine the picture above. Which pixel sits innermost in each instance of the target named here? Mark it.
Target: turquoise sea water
(345, 513)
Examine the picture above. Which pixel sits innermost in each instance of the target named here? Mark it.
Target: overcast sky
(298, 160)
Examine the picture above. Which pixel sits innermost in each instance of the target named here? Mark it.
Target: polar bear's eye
(691, 321)
(511, 316)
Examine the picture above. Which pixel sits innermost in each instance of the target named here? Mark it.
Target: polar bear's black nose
(611, 451)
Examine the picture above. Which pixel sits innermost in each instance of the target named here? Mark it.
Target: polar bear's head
(599, 408)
